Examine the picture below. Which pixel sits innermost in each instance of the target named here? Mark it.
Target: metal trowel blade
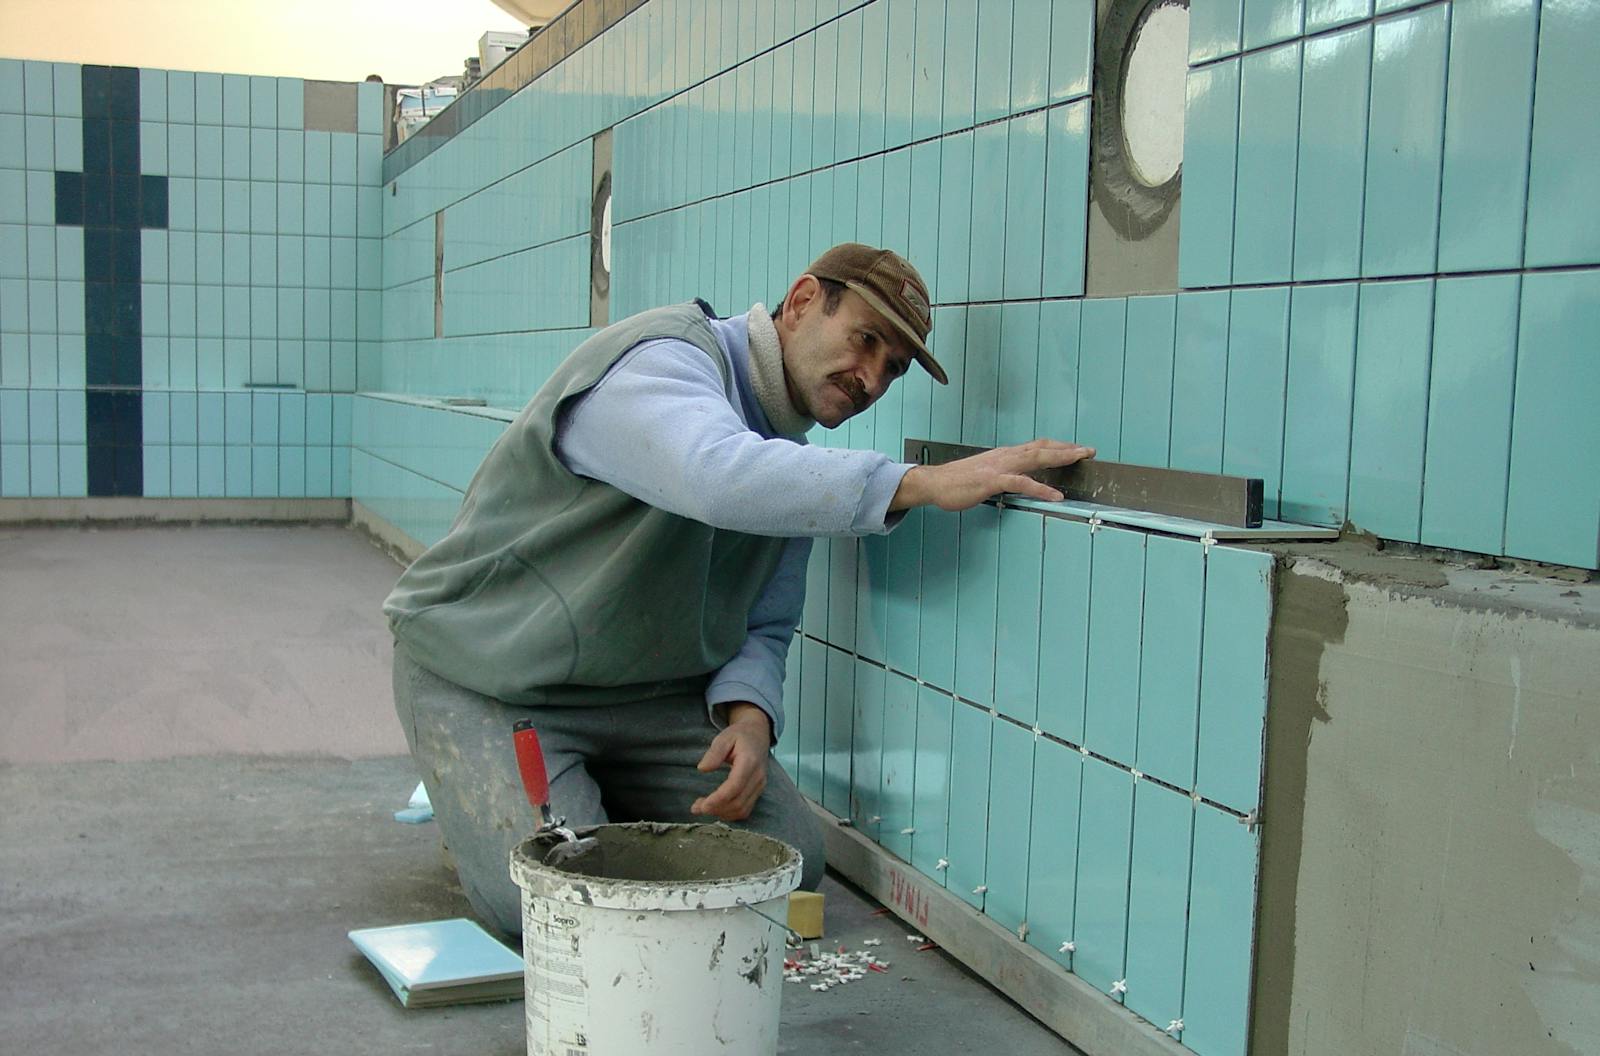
(569, 849)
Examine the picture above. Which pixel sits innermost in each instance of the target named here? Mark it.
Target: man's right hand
(964, 483)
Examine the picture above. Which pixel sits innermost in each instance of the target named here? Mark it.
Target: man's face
(837, 365)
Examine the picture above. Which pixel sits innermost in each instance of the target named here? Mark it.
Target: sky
(403, 41)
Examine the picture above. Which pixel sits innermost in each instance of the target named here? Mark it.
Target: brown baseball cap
(891, 287)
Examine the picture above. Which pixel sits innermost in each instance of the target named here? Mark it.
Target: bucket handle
(793, 936)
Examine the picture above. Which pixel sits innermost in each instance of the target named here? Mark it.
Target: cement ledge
(135, 510)
(1055, 997)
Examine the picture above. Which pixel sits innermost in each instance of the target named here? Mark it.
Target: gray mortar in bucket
(653, 859)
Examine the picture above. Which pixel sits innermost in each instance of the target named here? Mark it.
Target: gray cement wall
(1431, 858)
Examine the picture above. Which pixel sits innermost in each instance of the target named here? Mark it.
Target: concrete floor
(198, 770)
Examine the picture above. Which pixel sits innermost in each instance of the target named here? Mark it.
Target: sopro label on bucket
(558, 992)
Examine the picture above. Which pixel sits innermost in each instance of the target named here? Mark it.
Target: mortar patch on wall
(1136, 149)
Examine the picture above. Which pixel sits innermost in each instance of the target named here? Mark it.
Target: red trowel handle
(530, 761)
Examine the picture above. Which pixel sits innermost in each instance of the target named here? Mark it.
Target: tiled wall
(189, 281)
(1396, 196)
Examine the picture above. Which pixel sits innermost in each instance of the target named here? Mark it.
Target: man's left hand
(742, 747)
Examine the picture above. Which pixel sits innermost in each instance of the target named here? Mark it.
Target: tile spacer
(980, 889)
(1251, 821)
(1068, 947)
(1175, 1027)
(1119, 987)
(942, 863)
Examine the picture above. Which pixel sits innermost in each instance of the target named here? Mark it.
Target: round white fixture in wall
(605, 236)
(1153, 94)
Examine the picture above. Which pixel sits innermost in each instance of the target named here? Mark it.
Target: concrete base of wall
(400, 546)
(173, 511)
(1431, 833)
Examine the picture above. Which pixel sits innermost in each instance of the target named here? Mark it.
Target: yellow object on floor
(805, 913)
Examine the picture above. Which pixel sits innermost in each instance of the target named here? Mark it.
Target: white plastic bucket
(646, 944)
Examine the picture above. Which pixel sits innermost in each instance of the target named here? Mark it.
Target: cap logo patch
(913, 296)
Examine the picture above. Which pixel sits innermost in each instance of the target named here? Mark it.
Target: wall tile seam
(1365, 280)
(467, 196)
(438, 142)
(1042, 734)
(506, 255)
(373, 454)
(1386, 16)
(1020, 114)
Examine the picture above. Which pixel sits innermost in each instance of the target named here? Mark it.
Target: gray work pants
(613, 762)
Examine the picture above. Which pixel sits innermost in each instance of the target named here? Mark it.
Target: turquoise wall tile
(1215, 27)
(930, 806)
(927, 98)
(1030, 54)
(1331, 173)
(1269, 130)
(980, 375)
(1217, 961)
(1555, 516)
(903, 574)
(936, 643)
(866, 750)
(901, 39)
(1025, 206)
(955, 218)
(897, 827)
(872, 599)
(1064, 628)
(1021, 578)
(1258, 348)
(1066, 201)
(1199, 381)
(1015, 416)
(874, 70)
(923, 240)
(1169, 659)
(1405, 141)
(993, 85)
(1056, 397)
(976, 594)
(1116, 597)
(1316, 438)
(1388, 425)
(1158, 901)
(1469, 412)
(960, 63)
(1100, 373)
(847, 90)
(986, 252)
(1105, 835)
(1010, 808)
(1053, 850)
(837, 732)
(1488, 115)
(1326, 14)
(1233, 676)
(1210, 151)
(1071, 48)
(825, 96)
(971, 735)
(1270, 22)
(1147, 381)
(1566, 139)
(813, 716)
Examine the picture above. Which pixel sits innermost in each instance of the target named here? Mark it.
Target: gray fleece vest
(553, 588)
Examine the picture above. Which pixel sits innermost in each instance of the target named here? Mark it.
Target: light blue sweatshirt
(660, 427)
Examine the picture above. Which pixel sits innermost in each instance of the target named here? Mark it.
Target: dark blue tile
(125, 201)
(99, 353)
(125, 254)
(69, 198)
(96, 91)
(96, 255)
(96, 199)
(129, 463)
(99, 417)
(125, 93)
(97, 307)
(153, 201)
(96, 144)
(127, 413)
(124, 147)
(102, 470)
(126, 309)
(127, 365)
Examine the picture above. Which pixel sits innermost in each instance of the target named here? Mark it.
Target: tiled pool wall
(190, 281)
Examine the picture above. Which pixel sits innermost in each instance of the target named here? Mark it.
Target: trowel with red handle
(536, 783)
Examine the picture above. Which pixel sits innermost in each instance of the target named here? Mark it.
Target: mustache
(854, 389)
